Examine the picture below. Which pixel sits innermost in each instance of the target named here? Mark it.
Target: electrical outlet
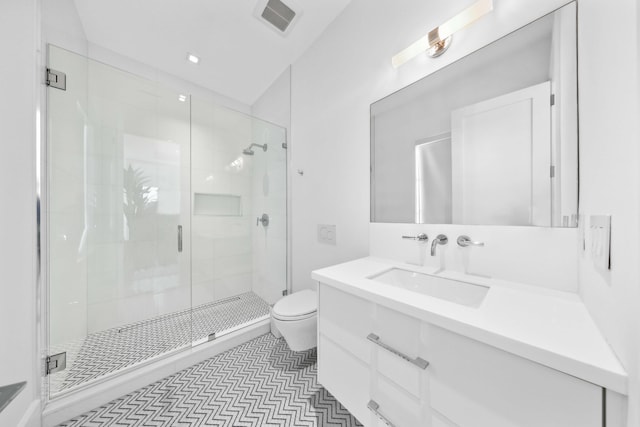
(600, 234)
(327, 234)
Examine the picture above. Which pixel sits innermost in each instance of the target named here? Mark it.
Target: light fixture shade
(464, 18)
(438, 39)
(413, 50)
(193, 58)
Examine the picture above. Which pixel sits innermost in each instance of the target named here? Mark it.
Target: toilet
(295, 317)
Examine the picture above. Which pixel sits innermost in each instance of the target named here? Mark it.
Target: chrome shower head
(249, 152)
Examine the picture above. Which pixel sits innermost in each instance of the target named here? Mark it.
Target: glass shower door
(270, 197)
(239, 219)
(118, 203)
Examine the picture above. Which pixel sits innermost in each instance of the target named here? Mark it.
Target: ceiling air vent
(278, 14)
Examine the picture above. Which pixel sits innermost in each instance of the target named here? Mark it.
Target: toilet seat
(292, 318)
(297, 306)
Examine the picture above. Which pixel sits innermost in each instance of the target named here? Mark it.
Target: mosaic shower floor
(113, 349)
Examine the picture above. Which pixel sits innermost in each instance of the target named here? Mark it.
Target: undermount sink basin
(463, 293)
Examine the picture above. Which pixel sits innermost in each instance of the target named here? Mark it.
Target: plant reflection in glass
(140, 198)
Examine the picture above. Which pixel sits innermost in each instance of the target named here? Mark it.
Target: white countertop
(549, 327)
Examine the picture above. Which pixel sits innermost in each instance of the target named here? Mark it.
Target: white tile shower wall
(222, 246)
(137, 138)
(537, 256)
(333, 85)
(120, 289)
(609, 178)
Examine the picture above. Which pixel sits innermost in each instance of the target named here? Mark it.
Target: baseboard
(31, 417)
(101, 393)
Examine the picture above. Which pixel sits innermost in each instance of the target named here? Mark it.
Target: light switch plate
(582, 235)
(600, 242)
(327, 234)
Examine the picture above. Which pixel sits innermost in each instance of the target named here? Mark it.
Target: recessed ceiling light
(182, 98)
(192, 58)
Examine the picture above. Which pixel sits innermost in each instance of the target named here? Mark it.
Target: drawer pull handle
(418, 361)
(374, 407)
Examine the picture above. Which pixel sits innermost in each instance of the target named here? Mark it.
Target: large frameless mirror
(491, 139)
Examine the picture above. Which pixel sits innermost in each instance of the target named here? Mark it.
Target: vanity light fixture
(438, 40)
(192, 58)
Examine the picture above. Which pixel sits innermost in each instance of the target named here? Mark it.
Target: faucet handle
(465, 241)
(420, 237)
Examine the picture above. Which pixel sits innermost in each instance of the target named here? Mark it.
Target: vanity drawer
(476, 385)
(346, 319)
(375, 334)
(399, 337)
(394, 404)
(346, 377)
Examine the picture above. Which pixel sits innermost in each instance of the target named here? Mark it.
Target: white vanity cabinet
(383, 364)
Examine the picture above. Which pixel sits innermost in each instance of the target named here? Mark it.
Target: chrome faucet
(440, 240)
(422, 237)
(465, 241)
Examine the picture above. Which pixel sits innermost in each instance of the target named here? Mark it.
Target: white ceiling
(240, 55)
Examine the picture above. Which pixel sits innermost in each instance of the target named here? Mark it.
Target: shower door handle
(179, 238)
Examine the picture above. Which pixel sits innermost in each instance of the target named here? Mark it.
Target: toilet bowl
(295, 316)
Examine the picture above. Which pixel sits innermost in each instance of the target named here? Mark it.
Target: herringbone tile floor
(259, 383)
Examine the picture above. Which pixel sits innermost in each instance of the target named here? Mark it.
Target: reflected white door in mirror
(501, 152)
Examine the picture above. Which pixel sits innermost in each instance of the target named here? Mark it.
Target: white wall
(609, 177)
(19, 33)
(537, 256)
(274, 105)
(333, 85)
(61, 26)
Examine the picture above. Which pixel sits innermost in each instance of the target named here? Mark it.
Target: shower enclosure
(165, 221)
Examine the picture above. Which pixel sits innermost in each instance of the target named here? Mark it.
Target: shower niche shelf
(217, 204)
